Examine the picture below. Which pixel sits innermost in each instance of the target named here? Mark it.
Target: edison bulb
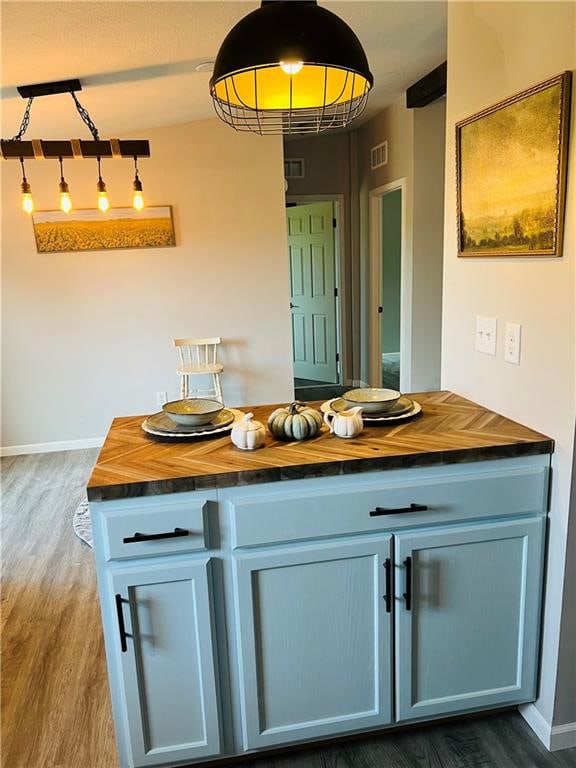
(27, 202)
(65, 202)
(138, 200)
(103, 202)
(291, 67)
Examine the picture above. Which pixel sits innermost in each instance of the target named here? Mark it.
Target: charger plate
(161, 422)
(220, 426)
(405, 408)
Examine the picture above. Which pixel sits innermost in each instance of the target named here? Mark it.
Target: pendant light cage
(334, 110)
(290, 66)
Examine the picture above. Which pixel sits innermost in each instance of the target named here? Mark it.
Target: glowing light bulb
(291, 67)
(103, 202)
(138, 200)
(27, 202)
(65, 202)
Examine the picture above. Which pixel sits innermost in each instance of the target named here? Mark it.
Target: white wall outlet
(512, 336)
(161, 398)
(486, 328)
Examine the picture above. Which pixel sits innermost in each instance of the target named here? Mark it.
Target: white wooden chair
(198, 357)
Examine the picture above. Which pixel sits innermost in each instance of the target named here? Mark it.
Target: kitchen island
(255, 600)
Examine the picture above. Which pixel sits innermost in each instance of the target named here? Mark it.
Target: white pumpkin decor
(247, 434)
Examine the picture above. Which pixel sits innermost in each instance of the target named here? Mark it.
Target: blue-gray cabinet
(248, 618)
(164, 647)
(468, 605)
(315, 640)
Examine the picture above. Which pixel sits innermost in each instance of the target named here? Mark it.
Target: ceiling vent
(379, 155)
(294, 168)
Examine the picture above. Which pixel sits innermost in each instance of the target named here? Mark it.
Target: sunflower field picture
(91, 230)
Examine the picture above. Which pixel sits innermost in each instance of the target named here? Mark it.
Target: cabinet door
(467, 616)
(314, 640)
(166, 661)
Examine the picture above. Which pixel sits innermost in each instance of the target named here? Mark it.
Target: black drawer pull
(408, 594)
(388, 595)
(398, 510)
(121, 625)
(176, 533)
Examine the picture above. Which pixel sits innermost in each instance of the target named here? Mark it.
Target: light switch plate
(512, 337)
(486, 329)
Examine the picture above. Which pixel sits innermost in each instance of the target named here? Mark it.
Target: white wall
(87, 336)
(496, 49)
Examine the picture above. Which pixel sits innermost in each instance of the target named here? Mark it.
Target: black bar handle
(408, 594)
(154, 536)
(121, 625)
(399, 510)
(388, 595)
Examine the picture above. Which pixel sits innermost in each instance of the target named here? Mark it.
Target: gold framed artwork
(92, 230)
(511, 173)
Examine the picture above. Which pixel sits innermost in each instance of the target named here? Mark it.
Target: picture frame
(88, 229)
(511, 169)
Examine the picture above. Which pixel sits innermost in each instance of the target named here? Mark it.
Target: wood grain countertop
(449, 430)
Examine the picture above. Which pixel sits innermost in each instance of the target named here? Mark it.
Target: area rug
(82, 523)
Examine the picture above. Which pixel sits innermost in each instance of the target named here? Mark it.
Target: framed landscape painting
(92, 230)
(511, 174)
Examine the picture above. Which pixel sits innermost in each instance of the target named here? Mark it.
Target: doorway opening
(314, 226)
(390, 326)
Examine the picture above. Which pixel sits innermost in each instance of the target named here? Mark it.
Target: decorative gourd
(296, 422)
(247, 434)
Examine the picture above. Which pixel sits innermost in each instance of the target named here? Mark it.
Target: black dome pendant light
(290, 67)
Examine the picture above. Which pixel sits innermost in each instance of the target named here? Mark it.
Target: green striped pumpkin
(296, 422)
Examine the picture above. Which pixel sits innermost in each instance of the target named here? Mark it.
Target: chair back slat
(198, 352)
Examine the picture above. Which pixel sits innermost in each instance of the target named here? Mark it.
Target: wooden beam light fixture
(95, 149)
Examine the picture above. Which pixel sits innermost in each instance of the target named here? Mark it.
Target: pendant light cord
(61, 170)
(83, 112)
(24, 179)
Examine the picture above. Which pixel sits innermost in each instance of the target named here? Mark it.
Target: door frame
(339, 251)
(375, 271)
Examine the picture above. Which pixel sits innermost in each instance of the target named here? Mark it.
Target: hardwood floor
(55, 704)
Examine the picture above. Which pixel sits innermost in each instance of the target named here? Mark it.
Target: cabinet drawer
(339, 506)
(160, 529)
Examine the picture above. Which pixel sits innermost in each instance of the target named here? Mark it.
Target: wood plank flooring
(55, 705)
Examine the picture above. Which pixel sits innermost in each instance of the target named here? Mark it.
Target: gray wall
(428, 244)
(341, 164)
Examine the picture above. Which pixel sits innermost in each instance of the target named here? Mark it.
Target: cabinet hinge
(336, 292)
(337, 357)
(334, 223)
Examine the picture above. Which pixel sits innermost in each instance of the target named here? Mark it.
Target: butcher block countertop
(449, 430)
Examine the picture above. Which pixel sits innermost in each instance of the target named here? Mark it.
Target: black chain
(86, 118)
(25, 121)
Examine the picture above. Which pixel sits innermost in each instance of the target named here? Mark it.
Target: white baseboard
(563, 737)
(555, 737)
(62, 445)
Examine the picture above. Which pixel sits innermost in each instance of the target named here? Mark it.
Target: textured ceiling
(137, 60)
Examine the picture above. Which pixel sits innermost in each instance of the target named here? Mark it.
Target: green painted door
(312, 291)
